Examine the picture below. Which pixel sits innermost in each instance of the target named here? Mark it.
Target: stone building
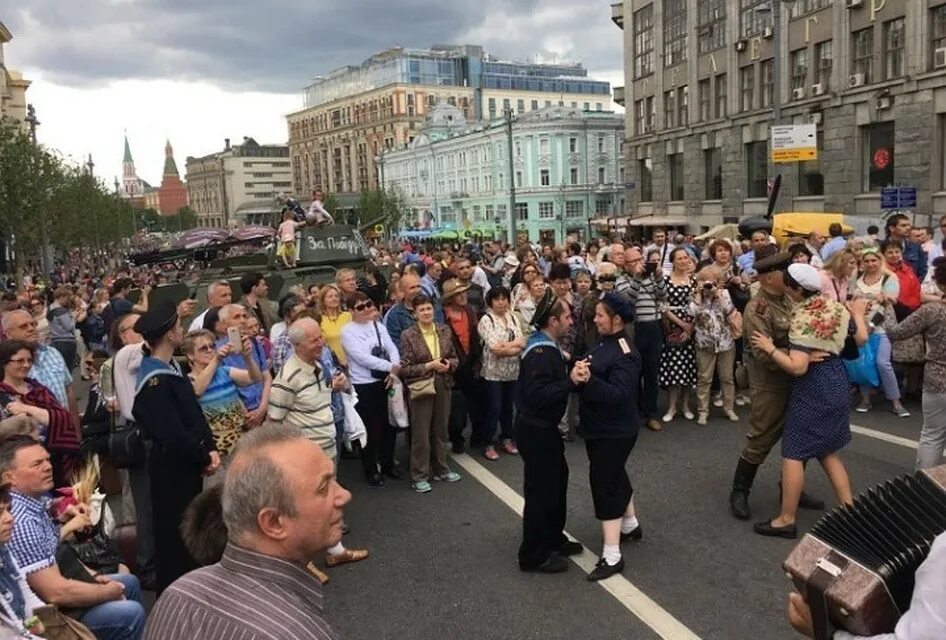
(356, 113)
(238, 185)
(567, 165)
(700, 87)
(12, 85)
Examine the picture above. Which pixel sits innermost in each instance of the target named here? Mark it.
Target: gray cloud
(281, 44)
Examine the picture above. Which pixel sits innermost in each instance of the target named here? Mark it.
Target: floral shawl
(819, 324)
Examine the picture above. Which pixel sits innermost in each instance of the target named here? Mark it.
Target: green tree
(388, 207)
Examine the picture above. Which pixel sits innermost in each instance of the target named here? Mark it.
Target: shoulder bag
(126, 450)
(423, 388)
(58, 626)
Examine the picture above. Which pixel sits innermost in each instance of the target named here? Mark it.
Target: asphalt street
(443, 564)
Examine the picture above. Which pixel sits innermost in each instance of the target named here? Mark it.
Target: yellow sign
(794, 143)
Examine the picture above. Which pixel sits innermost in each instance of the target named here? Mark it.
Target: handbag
(58, 626)
(674, 334)
(863, 369)
(423, 388)
(126, 450)
(379, 352)
(735, 324)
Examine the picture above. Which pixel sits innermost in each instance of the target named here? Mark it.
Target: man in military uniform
(769, 313)
(541, 398)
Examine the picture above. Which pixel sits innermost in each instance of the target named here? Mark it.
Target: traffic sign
(794, 143)
(898, 198)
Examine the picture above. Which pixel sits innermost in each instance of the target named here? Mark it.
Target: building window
(573, 176)
(505, 105)
(747, 87)
(711, 30)
(574, 209)
(644, 41)
(751, 19)
(586, 106)
(522, 211)
(824, 57)
(518, 149)
(544, 177)
(602, 140)
(670, 108)
(639, 115)
(675, 169)
(937, 31)
(601, 175)
(518, 179)
(683, 106)
(543, 146)
(602, 207)
(546, 211)
(573, 142)
(712, 161)
(801, 7)
(722, 110)
(520, 106)
(757, 168)
(799, 62)
(675, 32)
(862, 50)
(893, 49)
(598, 106)
(646, 170)
(767, 69)
(490, 212)
(705, 98)
(810, 178)
(535, 105)
(651, 115)
(879, 146)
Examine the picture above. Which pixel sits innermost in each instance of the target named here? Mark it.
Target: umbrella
(253, 232)
(201, 237)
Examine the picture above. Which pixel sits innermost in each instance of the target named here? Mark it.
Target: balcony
(617, 14)
(619, 95)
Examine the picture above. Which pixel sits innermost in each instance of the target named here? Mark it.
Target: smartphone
(235, 337)
(650, 267)
(877, 320)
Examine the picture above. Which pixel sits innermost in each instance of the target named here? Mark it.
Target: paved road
(443, 564)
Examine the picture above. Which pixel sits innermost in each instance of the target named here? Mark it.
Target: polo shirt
(300, 398)
(35, 534)
(50, 370)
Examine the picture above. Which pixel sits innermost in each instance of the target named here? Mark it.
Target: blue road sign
(898, 198)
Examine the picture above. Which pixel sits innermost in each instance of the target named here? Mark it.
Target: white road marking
(632, 598)
(884, 436)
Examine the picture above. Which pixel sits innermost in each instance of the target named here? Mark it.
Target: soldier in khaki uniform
(769, 313)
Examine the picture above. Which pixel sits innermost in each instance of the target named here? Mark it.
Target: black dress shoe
(459, 447)
(810, 502)
(553, 564)
(789, 531)
(570, 548)
(393, 473)
(739, 505)
(604, 570)
(377, 480)
(635, 534)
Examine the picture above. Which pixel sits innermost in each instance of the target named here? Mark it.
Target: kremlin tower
(172, 195)
(133, 187)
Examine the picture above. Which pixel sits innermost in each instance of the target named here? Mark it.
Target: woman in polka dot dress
(677, 371)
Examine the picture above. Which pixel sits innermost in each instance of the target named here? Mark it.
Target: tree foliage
(387, 207)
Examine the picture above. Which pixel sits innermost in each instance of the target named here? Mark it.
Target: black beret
(157, 322)
(620, 305)
(543, 308)
(775, 262)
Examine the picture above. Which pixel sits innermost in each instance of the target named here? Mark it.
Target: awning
(657, 221)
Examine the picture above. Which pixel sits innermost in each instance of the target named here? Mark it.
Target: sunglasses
(205, 348)
(361, 306)
(607, 279)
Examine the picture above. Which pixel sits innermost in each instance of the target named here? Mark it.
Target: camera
(651, 267)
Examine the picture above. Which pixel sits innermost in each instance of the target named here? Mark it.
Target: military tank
(321, 251)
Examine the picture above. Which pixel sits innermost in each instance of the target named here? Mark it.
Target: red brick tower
(173, 193)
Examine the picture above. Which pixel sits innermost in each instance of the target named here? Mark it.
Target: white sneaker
(669, 416)
(732, 416)
(688, 414)
(740, 401)
(701, 420)
(717, 401)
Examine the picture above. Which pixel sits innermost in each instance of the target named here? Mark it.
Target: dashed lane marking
(632, 598)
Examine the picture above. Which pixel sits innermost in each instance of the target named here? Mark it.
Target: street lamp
(32, 121)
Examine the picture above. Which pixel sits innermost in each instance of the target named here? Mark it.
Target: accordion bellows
(862, 559)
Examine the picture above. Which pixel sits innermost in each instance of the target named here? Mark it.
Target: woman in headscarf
(817, 424)
(610, 423)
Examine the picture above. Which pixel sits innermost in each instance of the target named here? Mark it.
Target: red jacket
(909, 285)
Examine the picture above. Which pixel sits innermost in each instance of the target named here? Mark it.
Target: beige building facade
(238, 185)
(358, 113)
(12, 84)
(701, 83)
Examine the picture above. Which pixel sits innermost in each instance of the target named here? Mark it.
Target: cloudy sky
(199, 72)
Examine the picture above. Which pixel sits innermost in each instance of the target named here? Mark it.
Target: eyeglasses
(204, 348)
(22, 360)
(361, 306)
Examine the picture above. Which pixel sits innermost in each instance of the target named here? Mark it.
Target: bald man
(401, 315)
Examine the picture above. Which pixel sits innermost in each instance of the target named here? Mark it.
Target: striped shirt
(300, 398)
(50, 370)
(648, 295)
(245, 596)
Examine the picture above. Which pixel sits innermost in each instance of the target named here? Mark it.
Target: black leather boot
(741, 485)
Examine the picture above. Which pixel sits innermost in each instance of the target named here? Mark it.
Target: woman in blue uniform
(167, 411)
(610, 423)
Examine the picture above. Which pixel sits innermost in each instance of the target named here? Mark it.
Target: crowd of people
(480, 347)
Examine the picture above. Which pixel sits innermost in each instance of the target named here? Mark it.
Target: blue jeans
(119, 619)
(500, 399)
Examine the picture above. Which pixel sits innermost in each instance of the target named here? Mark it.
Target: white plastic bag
(397, 408)
(354, 426)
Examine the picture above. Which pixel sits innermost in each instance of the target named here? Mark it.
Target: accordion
(856, 566)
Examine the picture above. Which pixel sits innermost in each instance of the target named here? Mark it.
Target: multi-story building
(567, 169)
(238, 185)
(356, 113)
(701, 84)
(12, 85)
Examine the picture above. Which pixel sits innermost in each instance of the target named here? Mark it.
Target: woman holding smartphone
(882, 288)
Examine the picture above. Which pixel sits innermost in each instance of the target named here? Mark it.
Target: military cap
(543, 308)
(775, 262)
(620, 305)
(157, 322)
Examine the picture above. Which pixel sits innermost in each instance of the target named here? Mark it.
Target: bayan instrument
(856, 566)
